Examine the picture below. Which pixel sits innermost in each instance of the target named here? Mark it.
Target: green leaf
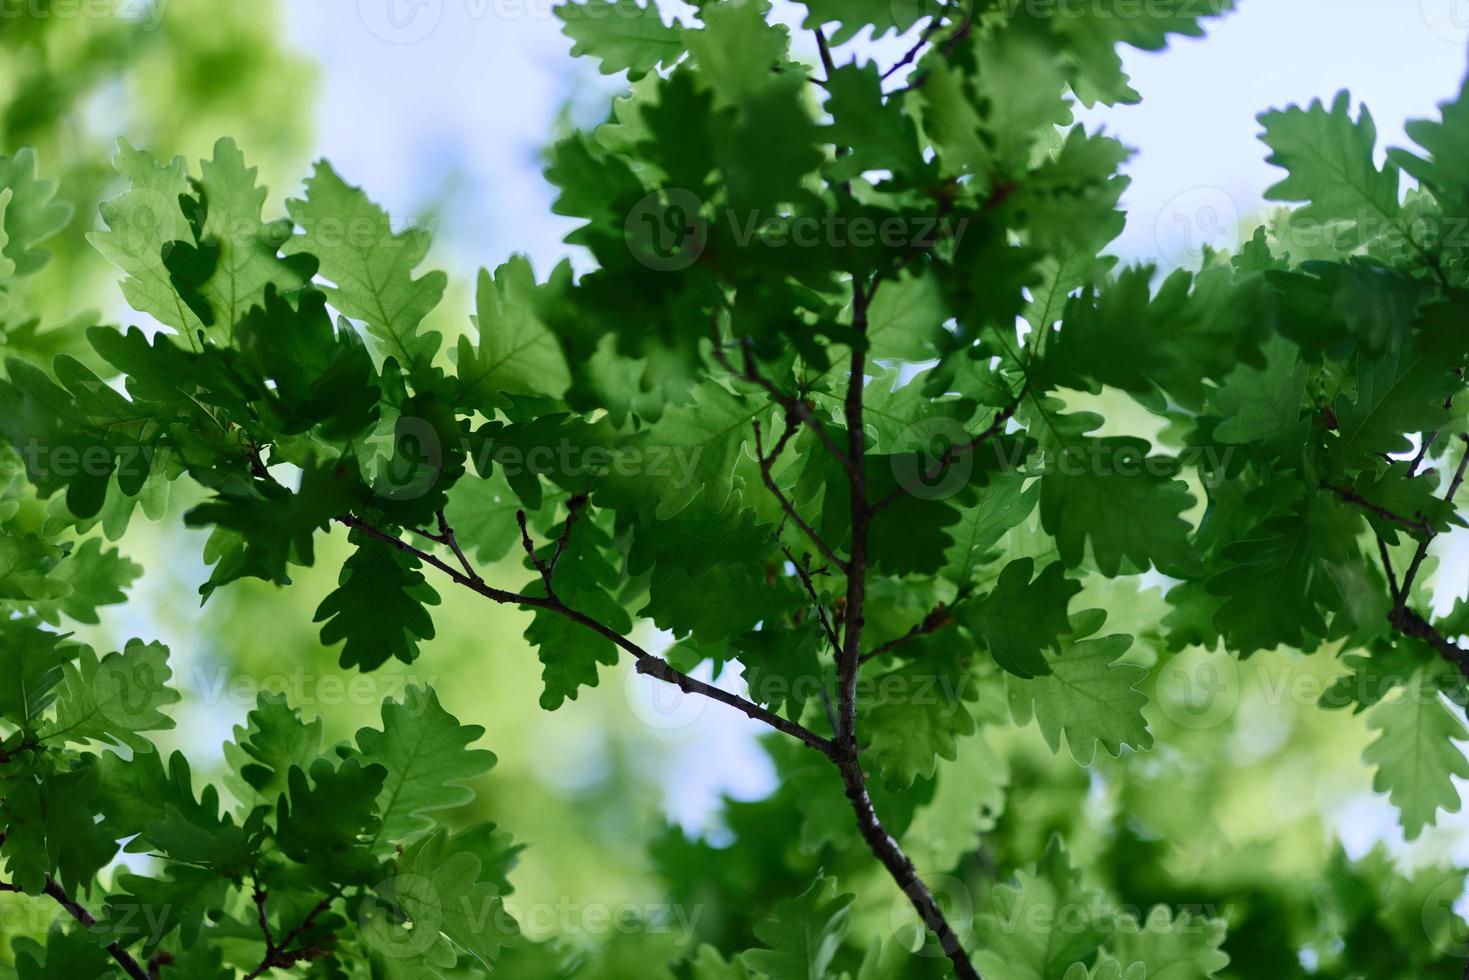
(569, 651)
(31, 213)
(427, 757)
(1329, 159)
(114, 699)
(1020, 618)
(804, 935)
(1043, 923)
(1088, 693)
(915, 716)
(327, 823)
(142, 222)
(622, 36)
(274, 739)
(378, 607)
(440, 891)
(1446, 141)
(1417, 752)
(77, 434)
(242, 249)
(31, 662)
(1170, 948)
(966, 805)
(1110, 492)
(1004, 504)
(370, 267)
(28, 569)
(737, 47)
(517, 354)
(137, 797)
(95, 578)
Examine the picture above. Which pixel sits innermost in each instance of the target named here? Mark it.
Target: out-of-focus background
(440, 108)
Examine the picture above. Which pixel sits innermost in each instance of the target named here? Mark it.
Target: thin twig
(1392, 578)
(646, 663)
(573, 505)
(883, 845)
(766, 462)
(1418, 525)
(446, 533)
(792, 405)
(940, 616)
(1418, 556)
(936, 22)
(803, 571)
(1404, 619)
(121, 956)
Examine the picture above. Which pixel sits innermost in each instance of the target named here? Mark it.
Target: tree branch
(997, 425)
(1403, 619)
(122, 957)
(1422, 552)
(766, 463)
(882, 844)
(280, 955)
(792, 404)
(803, 571)
(646, 663)
(937, 618)
(1419, 525)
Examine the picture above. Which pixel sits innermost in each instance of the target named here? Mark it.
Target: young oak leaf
(379, 606)
(427, 757)
(439, 890)
(1170, 948)
(1088, 694)
(626, 36)
(114, 699)
(1013, 942)
(1023, 615)
(803, 937)
(369, 266)
(1418, 752)
(1329, 161)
